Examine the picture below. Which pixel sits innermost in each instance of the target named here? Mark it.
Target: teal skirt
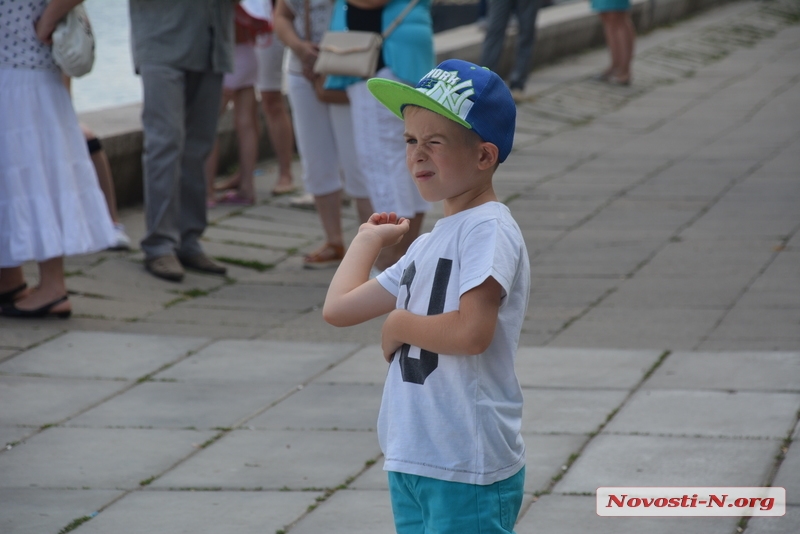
(610, 5)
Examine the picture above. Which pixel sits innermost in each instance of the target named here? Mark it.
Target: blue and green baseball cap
(472, 96)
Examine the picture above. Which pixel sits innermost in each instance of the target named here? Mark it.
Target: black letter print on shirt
(413, 370)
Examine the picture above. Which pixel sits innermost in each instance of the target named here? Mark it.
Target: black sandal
(10, 310)
(8, 296)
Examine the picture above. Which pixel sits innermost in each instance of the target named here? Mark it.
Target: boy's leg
(456, 508)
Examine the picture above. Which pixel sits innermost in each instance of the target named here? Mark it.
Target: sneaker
(121, 239)
(325, 257)
(166, 267)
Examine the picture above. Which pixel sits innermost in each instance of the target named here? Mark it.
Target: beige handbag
(328, 96)
(354, 53)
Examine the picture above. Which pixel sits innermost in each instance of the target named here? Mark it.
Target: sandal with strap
(10, 296)
(325, 257)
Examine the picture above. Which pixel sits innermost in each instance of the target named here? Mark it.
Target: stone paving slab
(154, 327)
(271, 297)
(546, 456)
(774, 322)
(320, 406)
(548, 367)
(190, 313)
(276, 459)
(105, 355)
(40, 401)
(612, 460)
(203, 512)
(787, 524)
(233, 254)
(11, 435)
(265, 362)
(96, 458)
(25, 336)
(38, 511)
(637, 328)
(710, 292)
(787, 474)
(350, 512)
(758, 371)
(192, 405)
(573, 514)
(570, 411)
(583, 257)
(373, 478)
(109, 309)
(253, 239)
(707, 413)
(366, 366)
(255, 224)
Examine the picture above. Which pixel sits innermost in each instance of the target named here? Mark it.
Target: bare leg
(620, 43)
(212, 161)
(103, 170)
(12, 278)
(247, 136)
(281, 135)
(609, 38)
(630, 41)
(390, 255)
(51, 287)
(329, 208)
(364, 209)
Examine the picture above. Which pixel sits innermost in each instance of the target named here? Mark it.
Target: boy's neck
(472, 198)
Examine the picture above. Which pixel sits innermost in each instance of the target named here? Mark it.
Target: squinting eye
(411, 141)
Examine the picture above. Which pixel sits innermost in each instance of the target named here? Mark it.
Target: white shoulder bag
(73, 43)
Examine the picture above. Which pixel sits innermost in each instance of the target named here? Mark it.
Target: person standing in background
(269, 52)
(180, 50)
(50, 203)
(620, 38)
(324, 130)
(406, 56)
(500, 12)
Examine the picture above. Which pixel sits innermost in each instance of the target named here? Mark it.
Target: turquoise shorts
(602, 6)
(422, 505)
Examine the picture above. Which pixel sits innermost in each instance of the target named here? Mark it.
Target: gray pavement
(661, 347)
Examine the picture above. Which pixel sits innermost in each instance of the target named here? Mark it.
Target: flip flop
(233, 198)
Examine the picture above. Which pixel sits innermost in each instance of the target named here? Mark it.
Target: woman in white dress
(50, 203)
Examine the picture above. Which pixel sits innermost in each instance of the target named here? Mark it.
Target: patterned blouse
(19, 46)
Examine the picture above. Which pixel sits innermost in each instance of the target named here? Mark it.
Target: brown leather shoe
(202, 263)
(166, 267)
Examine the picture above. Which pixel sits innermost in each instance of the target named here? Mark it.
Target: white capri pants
(325, 141)
(381, 150)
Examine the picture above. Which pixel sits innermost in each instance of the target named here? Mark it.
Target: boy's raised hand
(387, 226)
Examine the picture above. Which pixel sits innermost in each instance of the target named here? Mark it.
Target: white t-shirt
(458, 418)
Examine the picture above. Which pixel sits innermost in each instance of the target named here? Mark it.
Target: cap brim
(396, 95)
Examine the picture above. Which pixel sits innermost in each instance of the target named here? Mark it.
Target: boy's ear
(489, 156)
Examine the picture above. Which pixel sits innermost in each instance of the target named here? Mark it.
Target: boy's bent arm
(352, 298)
(466, 331)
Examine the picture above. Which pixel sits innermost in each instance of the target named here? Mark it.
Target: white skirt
(51, 204)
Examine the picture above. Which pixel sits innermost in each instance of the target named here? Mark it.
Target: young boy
(449, 424)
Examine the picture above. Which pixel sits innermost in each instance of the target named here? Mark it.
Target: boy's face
(441, 155)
